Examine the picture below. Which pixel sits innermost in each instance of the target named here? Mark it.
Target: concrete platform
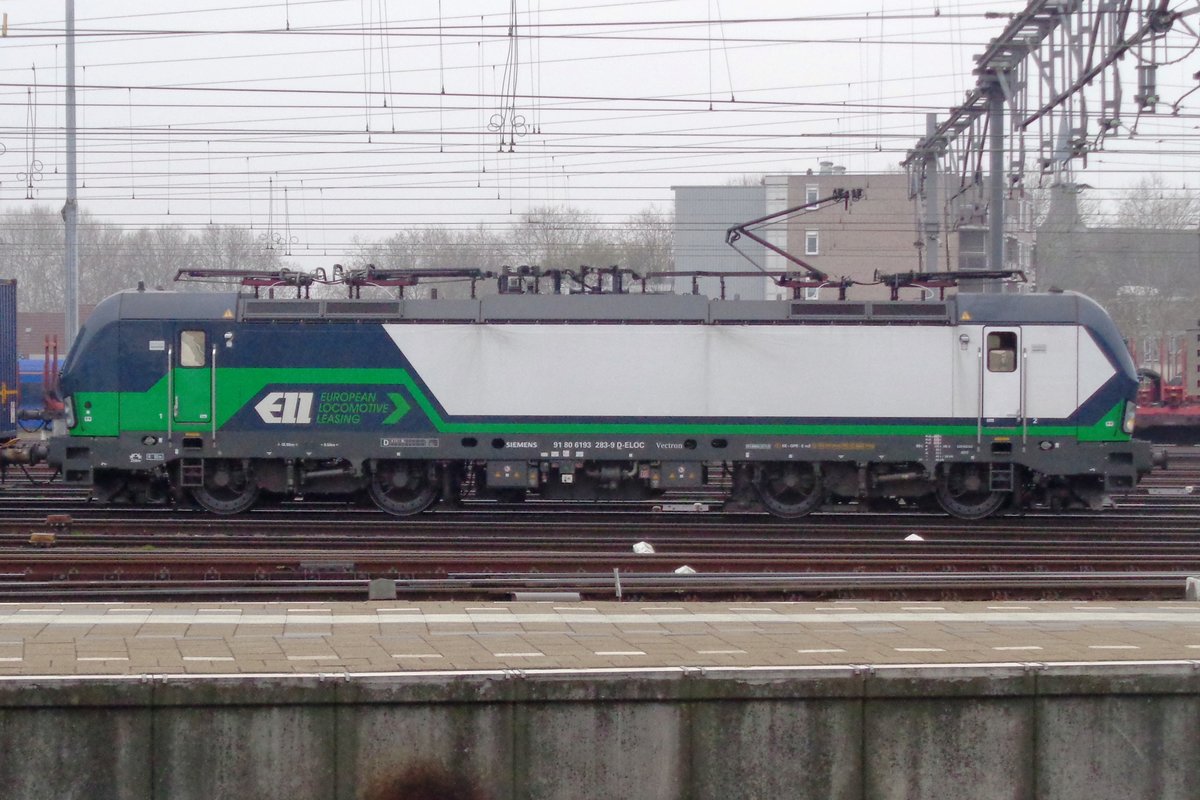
(530, 701)
(389, 637)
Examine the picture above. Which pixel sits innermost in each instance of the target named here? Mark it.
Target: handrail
(1024, 392)
(979, 416)
(170, 391)
(212, 395)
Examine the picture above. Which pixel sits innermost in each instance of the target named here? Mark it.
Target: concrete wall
(1095, 732)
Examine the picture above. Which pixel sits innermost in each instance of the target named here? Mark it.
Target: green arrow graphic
(402, 408)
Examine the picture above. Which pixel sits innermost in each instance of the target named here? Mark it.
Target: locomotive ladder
(1001, 478)
(191, 472)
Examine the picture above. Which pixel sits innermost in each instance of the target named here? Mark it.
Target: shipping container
(9, 380)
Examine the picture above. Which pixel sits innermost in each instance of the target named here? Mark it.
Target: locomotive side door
(143, 364)
(191, 390)
(1002, 380)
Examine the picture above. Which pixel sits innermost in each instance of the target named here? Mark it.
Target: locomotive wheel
(790, 490)
(963, 492)
(403, 488)
(228, 488)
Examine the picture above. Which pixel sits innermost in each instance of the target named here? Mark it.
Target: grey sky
(318, 121)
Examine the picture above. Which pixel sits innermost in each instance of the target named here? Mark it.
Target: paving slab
(366, 637)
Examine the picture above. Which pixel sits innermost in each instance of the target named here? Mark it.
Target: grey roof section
(615, 308)
(258, 309)
(449, 310)
(1010, 309)
(160, 305)
(1032, 308)
(749, 311)
(150, 306)
(493, 308)
(852, 312)
(177, 305)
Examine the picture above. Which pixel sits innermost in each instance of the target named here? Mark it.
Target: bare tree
(559, 237)
(105, 263)
(33, 254)
(111, 259)
(646, 242)
(155, 255)
(433, 248)
(562, 237)
(1144, 266)
(233, 247)
(746, 180)
(1152, 205)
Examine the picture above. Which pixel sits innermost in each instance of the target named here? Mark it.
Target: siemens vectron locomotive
(976, 403)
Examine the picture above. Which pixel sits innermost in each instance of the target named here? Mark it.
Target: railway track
(878, 560)
(1144, 547)
(629, 586)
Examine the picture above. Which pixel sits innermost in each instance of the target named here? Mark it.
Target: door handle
(175, 410)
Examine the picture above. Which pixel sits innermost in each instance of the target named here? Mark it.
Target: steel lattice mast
(1046, 64)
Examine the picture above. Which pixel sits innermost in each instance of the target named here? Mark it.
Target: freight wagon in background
(38, 397)
(9, 375)
(973, 403)
(1169, 394)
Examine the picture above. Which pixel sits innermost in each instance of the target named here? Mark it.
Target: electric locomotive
(975, 402)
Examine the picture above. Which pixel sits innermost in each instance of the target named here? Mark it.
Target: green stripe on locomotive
(112, 413)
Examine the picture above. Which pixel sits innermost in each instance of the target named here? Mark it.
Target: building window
(812, 193)
(812, 243)
(1002, 352)
(191, 349)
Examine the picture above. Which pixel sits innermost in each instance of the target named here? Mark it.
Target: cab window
(191, 349)
(1002, 351)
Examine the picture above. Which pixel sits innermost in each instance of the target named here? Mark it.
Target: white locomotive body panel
(744, 371)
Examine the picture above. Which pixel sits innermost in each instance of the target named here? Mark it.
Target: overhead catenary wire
(285, 120)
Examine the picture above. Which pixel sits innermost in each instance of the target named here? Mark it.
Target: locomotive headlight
(69, 412)
(1130, 413)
